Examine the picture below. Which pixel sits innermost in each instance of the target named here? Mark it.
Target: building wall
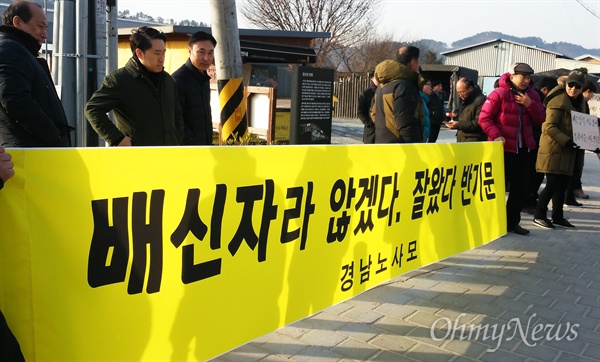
(176, 55)
(592, 67)
(494, 59)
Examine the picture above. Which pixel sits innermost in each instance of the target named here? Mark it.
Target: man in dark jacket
(364, 108)
(193, 86)
(31, 114)
(468, 115)
(399, 112)
(437, 115)
(142, 95)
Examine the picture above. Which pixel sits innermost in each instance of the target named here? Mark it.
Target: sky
(442, 20)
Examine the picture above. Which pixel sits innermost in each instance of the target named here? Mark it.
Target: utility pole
(228, 62)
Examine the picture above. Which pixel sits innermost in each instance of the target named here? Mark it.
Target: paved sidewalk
(547, 283)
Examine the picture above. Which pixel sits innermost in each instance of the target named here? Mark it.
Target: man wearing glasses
(507, 116)
(468, 115)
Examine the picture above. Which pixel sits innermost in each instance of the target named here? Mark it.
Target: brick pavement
(549, 279)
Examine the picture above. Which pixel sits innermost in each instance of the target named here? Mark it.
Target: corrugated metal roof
(494, 58)
(501, 40)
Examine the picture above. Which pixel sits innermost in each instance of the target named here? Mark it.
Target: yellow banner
(185, 253)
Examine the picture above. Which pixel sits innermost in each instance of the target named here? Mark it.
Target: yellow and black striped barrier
(233, 110)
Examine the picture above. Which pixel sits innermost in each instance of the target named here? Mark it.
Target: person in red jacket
(507, 116)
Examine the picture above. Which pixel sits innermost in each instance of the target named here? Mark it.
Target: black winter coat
(31, 114)
(468, 117)
(437, 115)
(193, 88)
(365, 100)
(149, 115)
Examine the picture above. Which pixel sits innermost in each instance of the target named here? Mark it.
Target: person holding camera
(558, 152)
(507, 116)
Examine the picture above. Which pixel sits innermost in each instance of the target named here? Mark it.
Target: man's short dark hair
(589, 85)
(407, 53)
(141, 38)
(201, 36)
(18, 8)
(547, 82)
(435, 82)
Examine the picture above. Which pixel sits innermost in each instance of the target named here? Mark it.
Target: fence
(346, 88)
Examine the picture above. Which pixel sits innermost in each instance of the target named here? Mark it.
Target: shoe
(563, 223)
(517, 229)
(580, 194)
(543, 223)
(573, 202)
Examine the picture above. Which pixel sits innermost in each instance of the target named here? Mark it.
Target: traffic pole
(228, 63)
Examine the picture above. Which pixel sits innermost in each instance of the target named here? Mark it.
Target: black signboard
(312, 97)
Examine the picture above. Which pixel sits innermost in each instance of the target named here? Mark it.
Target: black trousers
(9, 347)
(434, 132)
(535, 181)
(516, 174)
(555, 191)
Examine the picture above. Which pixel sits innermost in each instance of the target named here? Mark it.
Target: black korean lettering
(191, 222)
(389, 210)
(437, 178)
(369, 191)
(365, 269)
(293, 213)
(309, 209)
(216, 220)
(398, 254)
(146, 235)
(269, 214)
(488, 181)
(109, 248)
(412, 249)
(248, 195)
(465, 184)
(341, 227)
(338, 227)
(419, 192)
(381, 262)
(365, 222)
(447, 196)
(347, 278)
(245, 231)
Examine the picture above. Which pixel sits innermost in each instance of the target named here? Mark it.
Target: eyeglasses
(573, 85)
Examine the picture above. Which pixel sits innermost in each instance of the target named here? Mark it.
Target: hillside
(567, 49)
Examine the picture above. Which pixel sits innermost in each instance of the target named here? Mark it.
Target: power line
(588, 9)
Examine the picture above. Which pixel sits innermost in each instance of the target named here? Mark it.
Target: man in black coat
(437, 115)
(31, 114)
(364, 109)
(468, 115)
(193, 87)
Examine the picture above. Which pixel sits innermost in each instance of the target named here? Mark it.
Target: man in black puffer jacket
(193, 86)
(31, 114)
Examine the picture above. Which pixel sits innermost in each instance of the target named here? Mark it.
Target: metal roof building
(494, 57)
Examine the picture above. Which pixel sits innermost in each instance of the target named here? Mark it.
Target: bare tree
(348, 21)
(364, 57)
